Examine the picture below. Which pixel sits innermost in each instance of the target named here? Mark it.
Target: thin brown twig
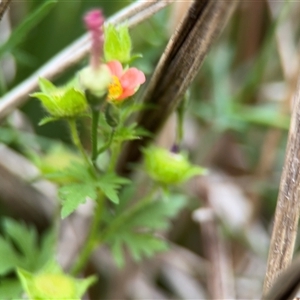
(3, 7)
(132, 14)
(178, 67)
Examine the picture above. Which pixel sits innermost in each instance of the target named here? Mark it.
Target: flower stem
(108, 143)
(115, 150)
(95, 119)
(77, 142)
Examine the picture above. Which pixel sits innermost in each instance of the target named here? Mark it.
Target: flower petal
(115, 68)
(127, 93)
(132, 78)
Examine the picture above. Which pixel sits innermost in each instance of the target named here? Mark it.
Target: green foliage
(262, 116)
(84, 184)
(19, 247)
(135, 227)
(21, 32)
(73, 195)
(10, 289)
(110, 184)
(130, 132)
(117, 44)
(75, 172)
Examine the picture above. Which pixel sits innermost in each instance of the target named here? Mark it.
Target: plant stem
(108, 143)
(93, 237)
(95, 119)
(114, 156)
(77, 142)
(92, 240)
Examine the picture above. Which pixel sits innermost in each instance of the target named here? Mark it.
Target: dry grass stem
(3, 7)
(287, 210)
(219, 274)
(287, 285)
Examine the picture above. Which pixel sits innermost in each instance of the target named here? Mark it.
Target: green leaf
(139, 245)
(21, 32)
(20, 247)
(75, 194)
(156, 214)
(127, 133)
(47, 248)
(145, 245)
(135, 227)
(25, 238)
(110, 185)
(262, 116)
(8, 257)
(10, 289)
(76, 172)
(117, 43)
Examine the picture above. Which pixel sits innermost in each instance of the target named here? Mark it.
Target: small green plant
(103, 91)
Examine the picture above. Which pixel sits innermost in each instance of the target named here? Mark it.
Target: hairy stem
(77, 142)
(95, 119)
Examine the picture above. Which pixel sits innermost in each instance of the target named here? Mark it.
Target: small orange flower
(125, 82)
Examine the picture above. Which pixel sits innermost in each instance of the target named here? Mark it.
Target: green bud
(61, 102)
(53, 285)
(112, 115)
(117, 43)
(57, 159)
(169, 168)
(96, 81)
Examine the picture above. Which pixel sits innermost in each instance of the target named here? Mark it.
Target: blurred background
(236, 126)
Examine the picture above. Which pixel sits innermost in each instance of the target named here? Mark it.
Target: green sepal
(94, 101)
(166, 167)
(46, 120)
(48, 102)
(117, 44)
(52, 283)
(61, 102)
(134, 57)
(46, 86)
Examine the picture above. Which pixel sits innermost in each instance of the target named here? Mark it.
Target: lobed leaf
(75, 194)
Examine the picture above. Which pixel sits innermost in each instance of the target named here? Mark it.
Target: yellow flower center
(115, 89)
